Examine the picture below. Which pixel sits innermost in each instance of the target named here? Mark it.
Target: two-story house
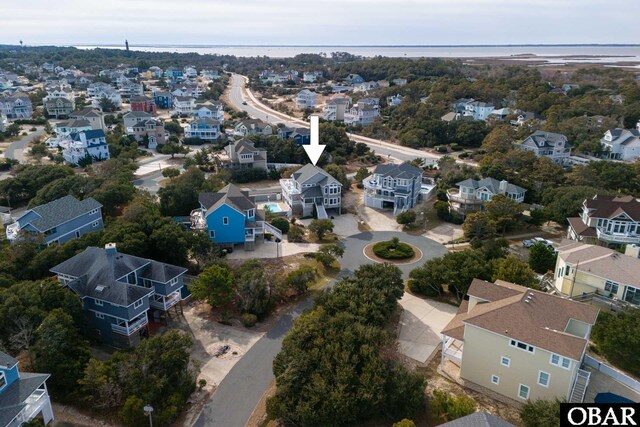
(395, 100)
(70, 126)
(311, 76)
(59, 221)
(584, 270)
(306, 99)
(152, 130)
(58, 107)
(23, 395)
(548, 144)
(155, 71)
(104, 92)
(362, 114)
(353, 79)
(183, 105)
(253, 127)
(336, 108)
(472, 194)
(301, 136)
(16, 106)
(231, 218)
(207, 129)
(94, 117)
(120, 291)
(242, 154)
(143, 103)
(393, 186)
(518, 342)
(209, 110)
(190, 72)
(163, 99)
(132, 118)
(310, 189)
(607, 220)
(173, 73)
(89, 143)
(478, 110)
(621, 144)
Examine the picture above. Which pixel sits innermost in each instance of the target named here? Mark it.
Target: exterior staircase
(580, 386)
(321, 212)
(272, 230)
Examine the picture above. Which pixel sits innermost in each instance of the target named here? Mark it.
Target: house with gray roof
(548, 144)
(242, 154)
(16, 106)
(59, 221)
(472, 194)
(621, 144)
(58, 107)
(23, 395)
(394, 187)
(312, 190)
(120, 293)
(230, 217)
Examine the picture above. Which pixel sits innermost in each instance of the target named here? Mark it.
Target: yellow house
(587, 269)
(518, 342)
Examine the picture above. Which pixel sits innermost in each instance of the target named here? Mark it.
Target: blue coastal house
(119, 292)
(230, 217)
(302, 136)
(393, 186)
(60, 220)
(163, 100)
(23, 395)
(173, 73)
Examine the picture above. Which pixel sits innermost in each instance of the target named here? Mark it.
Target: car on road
(530, 242)
(244, 102)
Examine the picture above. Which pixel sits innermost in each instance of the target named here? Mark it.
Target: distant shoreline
(169, 45)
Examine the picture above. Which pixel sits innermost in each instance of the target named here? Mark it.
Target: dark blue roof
(89, 134)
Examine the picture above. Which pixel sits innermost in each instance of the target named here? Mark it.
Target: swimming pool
(273, 207)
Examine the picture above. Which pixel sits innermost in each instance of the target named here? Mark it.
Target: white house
(132, 118)
(190, 72)
(311, 76)
(91, 143)
(336, 108)
(253, 127)
(310, 189)
(472, 194)
(306, 99)
(548, 144)
(362, 114)
(622, 144)
(210, 110)
(183, 104)
(395, 100)
(207, 129)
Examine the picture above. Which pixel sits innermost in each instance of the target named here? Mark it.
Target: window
(225, 220)
(212, 234)
(522, 346)
(137, 303)
(495, 379)
(95, 224)
(523, 392)
(100, 315)
(505, 361)
(97, 302)
(250, 213)
(610, 286)
(543, 378)
(632, 295)
(3, 380)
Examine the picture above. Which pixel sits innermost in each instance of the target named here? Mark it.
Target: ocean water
(550, 53)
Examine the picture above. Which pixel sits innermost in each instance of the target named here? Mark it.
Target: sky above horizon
(321, 22)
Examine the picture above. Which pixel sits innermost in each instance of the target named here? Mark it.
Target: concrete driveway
(420, 326)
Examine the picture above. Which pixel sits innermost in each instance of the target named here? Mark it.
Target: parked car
(530, 242)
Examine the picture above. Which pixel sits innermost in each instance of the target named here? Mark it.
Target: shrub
(281, 224)
(542, 258)
(249, 319)
(300, 278)
(541, 413)
(193, 141)
(455, 147)
(132, 413)
(441, 149)
(320, 227)
(406, 218)
(447, 407)
(393, 249)
(295, 234)
(404, 423)
(248, 175)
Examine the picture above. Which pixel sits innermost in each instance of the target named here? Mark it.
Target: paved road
(238, 94)
(238, 394)
(16, 149)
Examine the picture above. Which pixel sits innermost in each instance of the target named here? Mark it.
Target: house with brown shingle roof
(607, 220)
(592, 270)
(519, 342)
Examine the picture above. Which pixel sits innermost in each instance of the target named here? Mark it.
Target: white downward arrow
(314, 150)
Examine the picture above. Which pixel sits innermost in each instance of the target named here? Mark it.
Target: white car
(530, 242)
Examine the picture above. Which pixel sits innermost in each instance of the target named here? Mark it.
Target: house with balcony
(152, 131)
(472, 194)
(207, 129)
(520, 343)
(189, 89)
(143, 103)
(336, 108)
(132, 118)
(242, 154)
(362, 114)
(209, 74)
(173, 73)
(163, 99)
(23, 395)
(183, 105)
(230, 217)
(253, 127)
(621, 144)
(311, 191)
(121, 292)
(394, 187)
(58, 107)
(16, 106)
(88, 143)
(93, 116)
(209, 110)
(547, 144)
(607, 221)
(300, 135)
(306, 99)
(586, 271)
(190, 72)
(99, 91)
(58, 221)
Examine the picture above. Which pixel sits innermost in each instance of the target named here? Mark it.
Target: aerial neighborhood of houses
(182, 198)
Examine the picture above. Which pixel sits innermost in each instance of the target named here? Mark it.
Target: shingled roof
(527, 315)
(229, 195)
(611, 206)
(59, 211)
(403, 171)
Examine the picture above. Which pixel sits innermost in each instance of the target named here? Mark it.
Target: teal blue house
(23, 395)
(231, 218)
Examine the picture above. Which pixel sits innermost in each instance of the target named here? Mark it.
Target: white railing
(580, 385)
(612, 373)
(616, 237)
(35, 402)
(130, 327)
(273, 230)
(166, 302)
(12, 231)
